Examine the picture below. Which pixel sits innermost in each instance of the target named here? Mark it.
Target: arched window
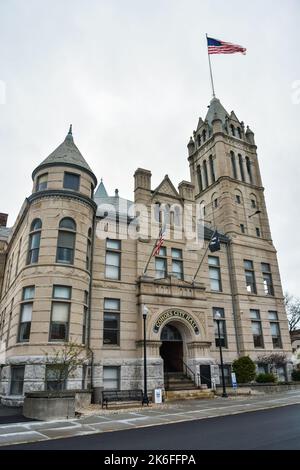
(241, 163)
(205, 173)
(239, 132)
(249, 170)
(89, 250)
(238, 197)
(167, 219)
(212, 169)
(178, 216)
(34, 241)
(66, 241)
(202, 209)
(232, 129)
(233, 165)
(199, 140)
(204, 135)
(199, 177)
(157, 212)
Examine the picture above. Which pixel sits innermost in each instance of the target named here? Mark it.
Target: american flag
(160, 241)
(220, 47)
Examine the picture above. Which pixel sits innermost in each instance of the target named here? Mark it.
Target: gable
(166, 187)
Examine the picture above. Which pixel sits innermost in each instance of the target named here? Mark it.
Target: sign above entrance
(176, 314)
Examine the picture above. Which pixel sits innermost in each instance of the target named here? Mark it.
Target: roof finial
(70, 130)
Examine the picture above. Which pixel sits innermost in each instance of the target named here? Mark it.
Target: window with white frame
(275, 329)
(214, 273)
(111, 378)
(177, 263)
(60, 313)
(258, 340)
(111, 322)
(26, 314)
(113, 259)
(161, 263)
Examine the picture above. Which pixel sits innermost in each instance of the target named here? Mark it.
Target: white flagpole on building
(210, 70)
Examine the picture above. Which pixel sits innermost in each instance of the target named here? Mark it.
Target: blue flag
(214, 244)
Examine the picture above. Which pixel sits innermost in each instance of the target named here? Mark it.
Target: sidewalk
(115, 420)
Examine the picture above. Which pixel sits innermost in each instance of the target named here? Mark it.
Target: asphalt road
(277, 428)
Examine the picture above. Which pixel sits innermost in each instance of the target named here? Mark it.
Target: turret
(191, 146)
(250, 136)
(65, 169)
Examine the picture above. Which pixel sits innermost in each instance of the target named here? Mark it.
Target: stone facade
(226, 181)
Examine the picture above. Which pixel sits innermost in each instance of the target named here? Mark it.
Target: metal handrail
(188, 371)
(195, 377)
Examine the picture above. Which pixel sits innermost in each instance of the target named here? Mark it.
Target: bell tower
(225, 171)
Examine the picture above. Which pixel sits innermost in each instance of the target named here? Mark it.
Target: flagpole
(210, 70)
(149, 259)
(200, 264)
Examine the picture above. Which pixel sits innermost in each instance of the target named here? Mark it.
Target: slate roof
(216, 107)
(66, 153)
(110, 205)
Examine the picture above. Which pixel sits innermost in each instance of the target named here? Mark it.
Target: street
(276, 428)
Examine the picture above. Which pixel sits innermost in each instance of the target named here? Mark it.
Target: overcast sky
(132, 77)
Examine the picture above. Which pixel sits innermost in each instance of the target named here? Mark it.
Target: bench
(121, 395)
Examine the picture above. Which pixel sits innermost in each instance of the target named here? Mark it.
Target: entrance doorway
(171, 349)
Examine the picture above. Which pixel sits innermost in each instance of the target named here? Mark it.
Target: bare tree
(292, 305)
(274, 359)
(65, 360)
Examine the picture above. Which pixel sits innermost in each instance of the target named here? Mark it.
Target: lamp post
(218, 319)
(254, 213)
(145, 400)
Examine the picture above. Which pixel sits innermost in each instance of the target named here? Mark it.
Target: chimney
(3, 219)
(142, 179)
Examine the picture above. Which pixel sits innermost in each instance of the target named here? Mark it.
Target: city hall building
(72, 270)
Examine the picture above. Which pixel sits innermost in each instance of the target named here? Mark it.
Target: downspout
(90, 298)
(231, 281)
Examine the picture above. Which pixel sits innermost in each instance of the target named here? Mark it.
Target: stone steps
(179, 381)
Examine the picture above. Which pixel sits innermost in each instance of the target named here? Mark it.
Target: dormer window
(71, 181)
(232, 129)
(204, 135)
(198, 140)
(42, 182)
(239, 132)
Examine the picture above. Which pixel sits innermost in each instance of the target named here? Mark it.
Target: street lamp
(145, 400)
(218, 319)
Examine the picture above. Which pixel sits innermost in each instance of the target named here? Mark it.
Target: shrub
(244, 369)
(296, 375)
(265, 378)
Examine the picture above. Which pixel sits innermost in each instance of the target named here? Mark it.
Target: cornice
(48, 193)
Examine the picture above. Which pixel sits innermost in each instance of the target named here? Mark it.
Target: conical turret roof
(217, 108)
(66, 154)
(101, 191)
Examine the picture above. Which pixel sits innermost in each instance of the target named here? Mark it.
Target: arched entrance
(171, 349)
